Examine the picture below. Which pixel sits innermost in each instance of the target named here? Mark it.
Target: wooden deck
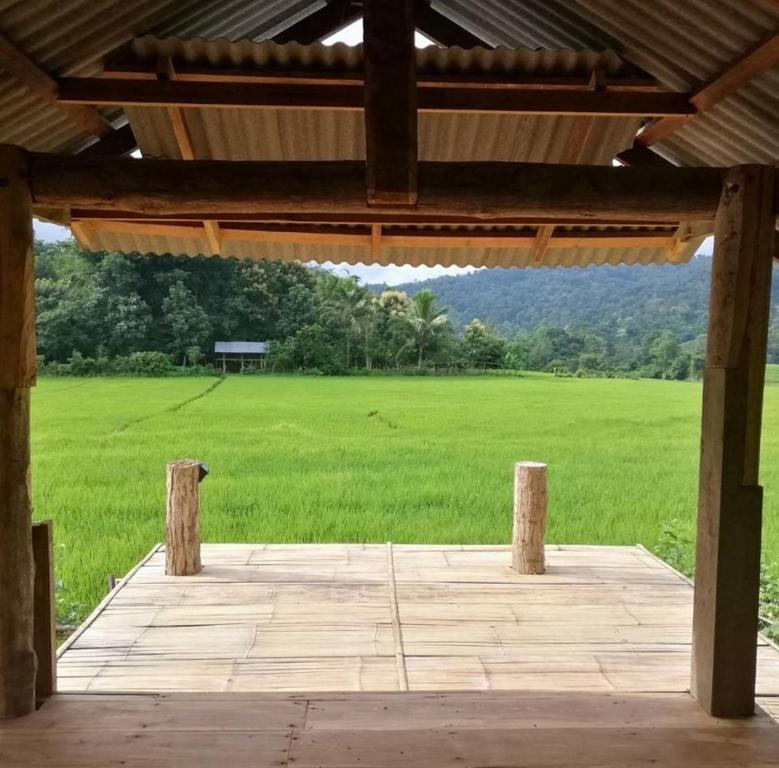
(387, 730)
(376, 618)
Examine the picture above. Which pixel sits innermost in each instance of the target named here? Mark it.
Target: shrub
(144, 364)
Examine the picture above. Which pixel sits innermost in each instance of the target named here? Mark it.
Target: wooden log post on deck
(727, 572)
(17, 375)
(45, 620)
(182, 521)
(530, 499)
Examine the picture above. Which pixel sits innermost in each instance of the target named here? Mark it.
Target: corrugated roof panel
(241, 134)
(72, 37)
(294, 57)
(556, 256)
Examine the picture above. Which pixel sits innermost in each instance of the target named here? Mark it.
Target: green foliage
(598, 322)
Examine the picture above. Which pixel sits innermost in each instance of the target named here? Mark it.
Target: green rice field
(365, 459)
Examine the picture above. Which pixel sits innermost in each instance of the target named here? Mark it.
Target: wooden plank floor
(326, 618)
(384, 730)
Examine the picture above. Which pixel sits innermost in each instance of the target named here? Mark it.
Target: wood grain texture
(390, 94)
(730, 500)
(394, 730)
(45, 622)
(288, 618)
(182, 519)
(448, 192)
(17, 374)
(530, 502)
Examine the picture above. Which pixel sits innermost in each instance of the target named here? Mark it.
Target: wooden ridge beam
(755, 63)
(390, 99)
(448, 192)
(442, 30)
(436, 97)
(27, 73)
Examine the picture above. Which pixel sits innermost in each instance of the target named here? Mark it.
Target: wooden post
(182, 522)
(45, 621)
(390, 102)
(17, 375)
(727, 570)
(529, 517)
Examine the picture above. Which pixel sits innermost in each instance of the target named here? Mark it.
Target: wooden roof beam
(27, 73)
(325, 21)
(390, 97)
(754, 64)
(447, 192)
(442, 30)
(432, 97)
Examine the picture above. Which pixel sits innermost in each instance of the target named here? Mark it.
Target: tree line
(110, 312)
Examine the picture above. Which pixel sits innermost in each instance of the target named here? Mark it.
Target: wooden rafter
(325, 21)
(390, 98)
(186, 147)
(31, 76)
(437, 96)
(572, 154)
(117, 143)
(755, 63)
(442, 30)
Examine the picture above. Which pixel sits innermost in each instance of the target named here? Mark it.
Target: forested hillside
(115, 313)
(633, 299)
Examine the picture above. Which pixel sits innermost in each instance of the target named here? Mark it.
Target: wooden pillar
(45, 618)
(17, 375)
(390, 102)
(182, 522)
(730, 500)
(529, 517)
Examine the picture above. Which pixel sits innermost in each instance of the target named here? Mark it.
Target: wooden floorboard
(384, 730)
(306, 618)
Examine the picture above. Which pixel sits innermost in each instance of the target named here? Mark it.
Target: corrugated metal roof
(683, 43)
(560, 255)
(71, 38)
(295, 134)
(241, 347)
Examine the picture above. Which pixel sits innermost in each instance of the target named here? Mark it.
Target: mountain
(619, 298)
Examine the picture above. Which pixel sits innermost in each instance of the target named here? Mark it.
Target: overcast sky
(392, 275)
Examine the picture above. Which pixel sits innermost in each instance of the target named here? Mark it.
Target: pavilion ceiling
(612, 73)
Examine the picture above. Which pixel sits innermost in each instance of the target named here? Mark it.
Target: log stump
(530, 500)
(182, 519)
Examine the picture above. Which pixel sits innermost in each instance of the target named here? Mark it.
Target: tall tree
(426, 322)
(186, 319)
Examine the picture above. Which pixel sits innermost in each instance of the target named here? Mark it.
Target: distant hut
(242, 351)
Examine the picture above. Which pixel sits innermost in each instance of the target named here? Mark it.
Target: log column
(17, 375)
(730, 500)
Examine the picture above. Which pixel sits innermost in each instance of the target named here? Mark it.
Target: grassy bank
(365, 459)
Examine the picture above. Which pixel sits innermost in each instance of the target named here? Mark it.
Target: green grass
(365, 459)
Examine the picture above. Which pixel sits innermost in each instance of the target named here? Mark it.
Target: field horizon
(365, 459)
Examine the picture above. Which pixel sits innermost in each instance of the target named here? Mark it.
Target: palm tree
(350, 304)
(426, 321)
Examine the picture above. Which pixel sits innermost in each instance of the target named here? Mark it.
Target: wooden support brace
(730, 500)
(17, 375)
(45, 622)
(182, 520)
(530, 501)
